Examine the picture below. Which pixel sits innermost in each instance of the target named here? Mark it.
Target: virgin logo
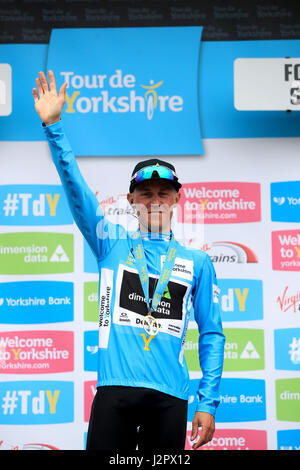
(289, 302)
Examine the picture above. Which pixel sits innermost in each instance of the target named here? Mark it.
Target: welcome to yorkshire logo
(117, 93)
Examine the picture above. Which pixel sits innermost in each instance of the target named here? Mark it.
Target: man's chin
(158, 228)
(155, 224)
(155, 229)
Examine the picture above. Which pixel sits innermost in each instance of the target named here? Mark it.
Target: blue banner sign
(131, 91)
(29, 302)
(38, 402)
(34, 204)
(285, 201)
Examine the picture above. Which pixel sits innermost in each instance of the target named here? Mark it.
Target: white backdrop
(254, 160)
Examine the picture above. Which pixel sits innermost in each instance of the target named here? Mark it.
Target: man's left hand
(207, 422)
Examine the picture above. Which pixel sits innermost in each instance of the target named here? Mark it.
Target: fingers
(44, 81)
(205, 436)
(52, 80)
(194, 430)
(207, 422)
(63, 89)
(35, 95)
(42, 84)
(39, 86)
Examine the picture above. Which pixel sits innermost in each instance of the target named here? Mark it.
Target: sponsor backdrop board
(127, 94)
(240, 203)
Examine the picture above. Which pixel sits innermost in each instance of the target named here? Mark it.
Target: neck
(164, 234)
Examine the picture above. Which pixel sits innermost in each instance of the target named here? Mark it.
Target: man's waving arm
(83, 203)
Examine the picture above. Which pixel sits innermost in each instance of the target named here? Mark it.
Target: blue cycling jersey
(126, 354)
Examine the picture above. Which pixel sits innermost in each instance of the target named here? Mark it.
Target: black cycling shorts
(131, 418)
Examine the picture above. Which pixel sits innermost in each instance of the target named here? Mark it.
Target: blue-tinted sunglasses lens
(146, 173)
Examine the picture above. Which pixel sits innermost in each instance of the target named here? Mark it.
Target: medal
(150, 323)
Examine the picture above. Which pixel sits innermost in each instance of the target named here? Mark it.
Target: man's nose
(155, 200)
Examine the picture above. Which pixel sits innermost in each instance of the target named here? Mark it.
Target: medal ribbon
(165, 274)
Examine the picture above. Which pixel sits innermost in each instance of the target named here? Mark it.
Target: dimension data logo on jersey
(38, 402)
(240, 400)
(91, 341)
(288, 399)
(33, 205)
(135, 90)
(285, 201)
(288, 439)
(220, 203)
(286, 250)
(29, 302)
(36, 352)
(36, 253)
(244, 349)
(287, 349)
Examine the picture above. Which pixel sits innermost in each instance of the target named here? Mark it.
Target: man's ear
(130, 198)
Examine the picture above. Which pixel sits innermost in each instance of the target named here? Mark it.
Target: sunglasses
(147, 173)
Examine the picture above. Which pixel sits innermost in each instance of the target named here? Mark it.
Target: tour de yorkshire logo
(118, 93)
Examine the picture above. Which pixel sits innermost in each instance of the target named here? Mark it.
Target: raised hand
(47, 102)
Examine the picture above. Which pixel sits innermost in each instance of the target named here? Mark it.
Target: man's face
(154, 201)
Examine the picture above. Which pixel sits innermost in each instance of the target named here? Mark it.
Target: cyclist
(148, 283)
